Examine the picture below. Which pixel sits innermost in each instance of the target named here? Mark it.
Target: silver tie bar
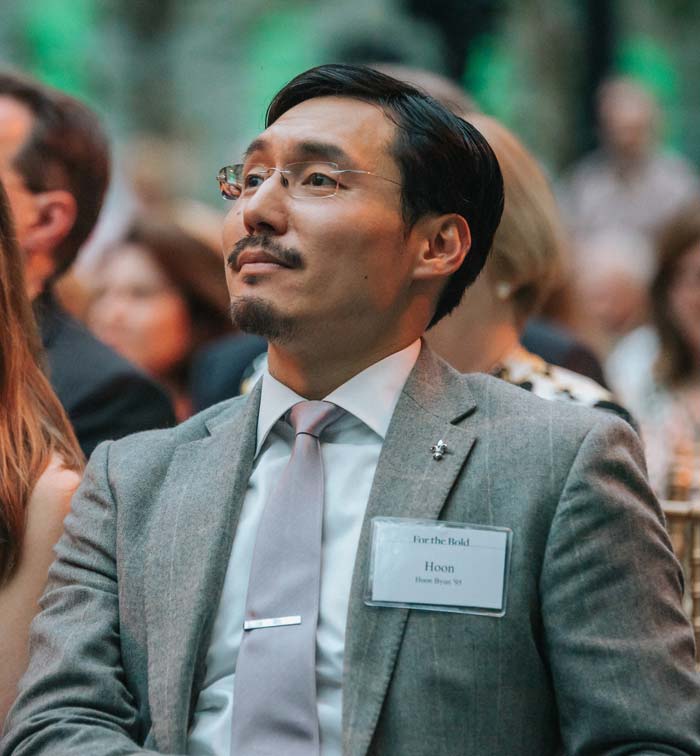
(272, 622)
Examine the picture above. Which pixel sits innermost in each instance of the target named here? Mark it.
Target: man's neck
(316, 375)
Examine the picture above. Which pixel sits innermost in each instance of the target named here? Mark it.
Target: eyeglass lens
(303, 179)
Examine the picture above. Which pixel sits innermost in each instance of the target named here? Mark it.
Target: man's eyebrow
(308, 150)
(254, 146)
(323, 151)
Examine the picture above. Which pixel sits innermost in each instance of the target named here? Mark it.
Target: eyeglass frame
(335, 170)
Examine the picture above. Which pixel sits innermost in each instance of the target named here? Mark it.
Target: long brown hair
(675, 362)
(33, 424)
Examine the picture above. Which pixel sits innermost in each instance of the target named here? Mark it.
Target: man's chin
(257, 316)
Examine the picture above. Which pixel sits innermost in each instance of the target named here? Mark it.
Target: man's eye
(320, 179)
(253, 180)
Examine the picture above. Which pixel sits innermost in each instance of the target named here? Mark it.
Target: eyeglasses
(310, 180)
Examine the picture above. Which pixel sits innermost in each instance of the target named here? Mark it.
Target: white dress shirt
(350, 448)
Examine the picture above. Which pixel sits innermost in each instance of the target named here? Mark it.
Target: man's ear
(444, 243)
(55, 214)
(56, 211)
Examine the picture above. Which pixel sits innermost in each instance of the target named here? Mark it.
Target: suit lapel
(408, 483)
(189, 548)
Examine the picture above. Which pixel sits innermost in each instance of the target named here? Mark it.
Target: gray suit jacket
(594, 655)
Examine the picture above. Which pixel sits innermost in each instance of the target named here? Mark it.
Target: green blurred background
(200, 72)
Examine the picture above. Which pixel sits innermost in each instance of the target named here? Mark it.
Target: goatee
(255, 315)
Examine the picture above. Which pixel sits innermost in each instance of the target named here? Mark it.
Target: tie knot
(313, 417)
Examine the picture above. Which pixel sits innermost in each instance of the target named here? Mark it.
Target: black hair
(446, 164)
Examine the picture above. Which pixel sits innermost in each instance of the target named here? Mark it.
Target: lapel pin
(439, 449)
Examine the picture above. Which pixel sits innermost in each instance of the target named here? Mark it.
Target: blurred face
(627, 123)
(332, 272)
(139, 313)
(614, 301)
(15, 126)
(684, 297)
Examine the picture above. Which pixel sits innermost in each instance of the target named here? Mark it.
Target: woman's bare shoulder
(49, 502)
(48, 505)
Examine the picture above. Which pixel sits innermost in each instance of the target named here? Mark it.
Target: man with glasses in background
(370, 554)
(54, 163)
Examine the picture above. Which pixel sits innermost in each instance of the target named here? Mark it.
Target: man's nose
(266, 210)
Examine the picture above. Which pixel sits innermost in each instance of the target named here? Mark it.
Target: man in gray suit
(495, 577)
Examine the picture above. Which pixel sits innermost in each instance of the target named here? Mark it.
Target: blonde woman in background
(40, 465)
(527, 262)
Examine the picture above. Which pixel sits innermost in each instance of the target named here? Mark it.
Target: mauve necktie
(274, 704)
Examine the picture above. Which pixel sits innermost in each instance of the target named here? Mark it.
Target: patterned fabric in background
(532, 373)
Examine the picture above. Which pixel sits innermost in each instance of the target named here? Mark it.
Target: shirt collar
(370, 396)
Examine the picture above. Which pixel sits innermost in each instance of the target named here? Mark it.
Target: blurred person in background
(527, 261)
(54, 161)
(629, 183)
(217, 367)
(160, 295)
(612, 273)
(668, 403)
(40, 465)
(163, 201)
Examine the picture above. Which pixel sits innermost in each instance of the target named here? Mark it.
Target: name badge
(435, 565)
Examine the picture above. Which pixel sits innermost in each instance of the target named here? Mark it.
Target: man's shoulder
(529, 433)
(138, 463)
(502, 397)
(164, 441)
(501, 404)
(484, 399)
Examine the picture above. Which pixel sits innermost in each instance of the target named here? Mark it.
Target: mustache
(287, 256)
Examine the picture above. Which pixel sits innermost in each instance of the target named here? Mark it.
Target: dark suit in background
(105, 396)
(219, 368)
(559, 346)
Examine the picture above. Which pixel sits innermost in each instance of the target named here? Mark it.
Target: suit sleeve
(620, 648)
(73, 700)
